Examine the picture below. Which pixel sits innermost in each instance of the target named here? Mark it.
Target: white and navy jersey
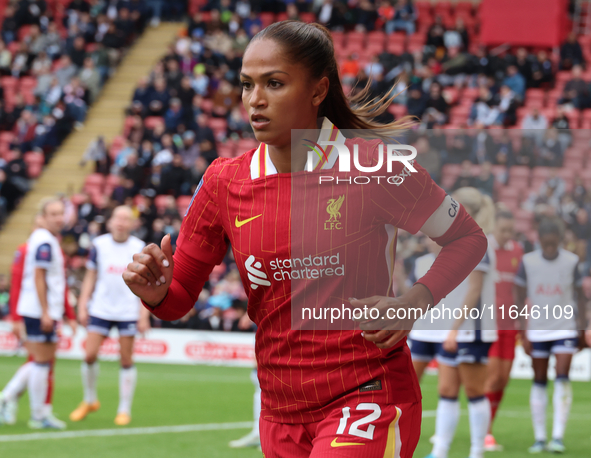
(435, 326)
(552, 283)
(112, 299)
(45, 252)
(483, 328)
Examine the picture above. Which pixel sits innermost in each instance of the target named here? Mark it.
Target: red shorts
(504, 347)
(355, 428)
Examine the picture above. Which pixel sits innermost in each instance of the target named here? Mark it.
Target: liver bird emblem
(334, 205)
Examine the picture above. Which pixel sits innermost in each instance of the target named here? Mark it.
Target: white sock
(257, 401)
(127, 381)
(38, 389)
(47, 410)
(562, 400)
(448, 416)
(538, 401)
(90, 374)
(18, 382)
(479, 413)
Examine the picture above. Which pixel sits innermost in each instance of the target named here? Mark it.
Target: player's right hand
(150, 274)
(17, 329)
(83, 316)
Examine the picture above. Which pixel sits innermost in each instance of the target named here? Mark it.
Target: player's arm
(86, 290)
(520, 295)
(41, 288)
(169, 285)
(143, 324)
(581, 311)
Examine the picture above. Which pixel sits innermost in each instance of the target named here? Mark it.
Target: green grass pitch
(170, 395)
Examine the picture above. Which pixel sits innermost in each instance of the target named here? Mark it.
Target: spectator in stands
(134, 172)
(437, 108)
(17, 178)
(458, 37)
(374, 69)
(200, 82)
(504, 155)
(176, 178)
(90, 78)
(524, 65)
(142, 92)
(554, 183)
(20, 61)
(550, 152)
(189, 152)
(571, 53)
(78, 52)
(66, 70)
(75, 101)
(416, 103)
(365, 15)
(237, 124)
(155, 7)
(527, 153)
(507, 107)
(535, 121)
(485, 181)
(435, 34)
(428, 157)
(404, 18)
(9, 25)
(484, 148)
(515, 81)
(541, 69)
(485, 111)
(24, 130)
(205, 138)
(576, 91)
(465, 178)
(386, 15)
(174, 115)
(330, 13)
(5, 60)
(159, 98)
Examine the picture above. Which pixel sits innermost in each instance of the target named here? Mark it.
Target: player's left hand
(390, 325)
(588, 337)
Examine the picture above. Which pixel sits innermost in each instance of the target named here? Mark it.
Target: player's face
(504, 230)
(277, 94)
(550, 244)
(54, 217)
(121, 225)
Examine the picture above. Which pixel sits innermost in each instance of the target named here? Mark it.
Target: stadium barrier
(156, 346)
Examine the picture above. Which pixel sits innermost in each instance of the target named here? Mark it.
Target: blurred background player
(106, 302)
(502, 352)
(17, 385)
(41, 304)
(550, 276)
(471, 338)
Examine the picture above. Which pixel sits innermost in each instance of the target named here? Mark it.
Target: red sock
(494, 399)
(49, 398)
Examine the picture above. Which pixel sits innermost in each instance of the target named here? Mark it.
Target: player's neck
(120, 239)
(281, 158)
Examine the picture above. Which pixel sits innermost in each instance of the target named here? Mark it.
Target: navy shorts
(102, 327)
(35, 334)
(473, 352)
(543, 350)
(427, 351)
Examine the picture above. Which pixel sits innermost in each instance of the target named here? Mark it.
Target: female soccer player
(106, 303)
(502, 352)
(550, 276)
(471, 339)
(324, 392)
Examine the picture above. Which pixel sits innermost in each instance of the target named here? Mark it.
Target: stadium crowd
(187, 112)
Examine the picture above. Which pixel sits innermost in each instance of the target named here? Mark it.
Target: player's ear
(320, 91)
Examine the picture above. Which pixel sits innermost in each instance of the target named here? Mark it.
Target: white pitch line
(139, 431)
(125, 432)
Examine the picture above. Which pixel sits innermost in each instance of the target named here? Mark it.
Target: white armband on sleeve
(441, 219)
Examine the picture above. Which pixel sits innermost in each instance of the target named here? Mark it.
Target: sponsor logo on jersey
(332, 208)
(256, 276)
(549, 290)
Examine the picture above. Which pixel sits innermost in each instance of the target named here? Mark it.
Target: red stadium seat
(161, 201)
(308, 17)
(267, 19)
(519, 176)
(152, 121)
(397, 110)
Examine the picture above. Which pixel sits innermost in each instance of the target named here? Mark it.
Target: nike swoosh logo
(334, 443)
(242, 223)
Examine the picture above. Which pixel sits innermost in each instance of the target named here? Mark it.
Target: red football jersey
(245, 203)
(508, 259)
